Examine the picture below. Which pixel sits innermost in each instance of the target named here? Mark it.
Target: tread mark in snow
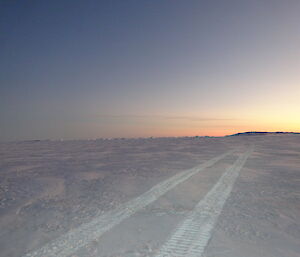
(77, 238)
(192, 235)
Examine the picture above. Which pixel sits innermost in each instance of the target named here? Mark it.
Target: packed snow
(129, 197)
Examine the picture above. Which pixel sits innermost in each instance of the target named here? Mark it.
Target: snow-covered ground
(151, 197)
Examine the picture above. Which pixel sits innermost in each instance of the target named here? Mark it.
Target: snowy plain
(51, 190)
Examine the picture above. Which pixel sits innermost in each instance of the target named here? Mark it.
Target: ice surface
(48, 188)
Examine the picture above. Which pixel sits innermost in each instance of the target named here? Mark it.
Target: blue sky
(86, 69)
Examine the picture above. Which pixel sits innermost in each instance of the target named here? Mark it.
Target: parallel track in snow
(75, 239)
(192, 235)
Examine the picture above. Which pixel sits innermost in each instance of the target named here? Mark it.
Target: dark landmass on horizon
(250, 133)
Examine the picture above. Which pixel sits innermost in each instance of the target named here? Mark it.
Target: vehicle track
(192, 235)
(77, 238)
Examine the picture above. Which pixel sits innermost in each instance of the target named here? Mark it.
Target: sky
(89, 69)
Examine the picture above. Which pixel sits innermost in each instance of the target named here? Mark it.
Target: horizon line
(150, 137)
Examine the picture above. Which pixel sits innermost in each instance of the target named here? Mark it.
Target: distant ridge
(254, 133)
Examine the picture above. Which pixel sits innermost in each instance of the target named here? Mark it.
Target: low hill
(255, 133)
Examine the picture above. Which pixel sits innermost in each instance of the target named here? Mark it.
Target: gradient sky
(89, 69)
